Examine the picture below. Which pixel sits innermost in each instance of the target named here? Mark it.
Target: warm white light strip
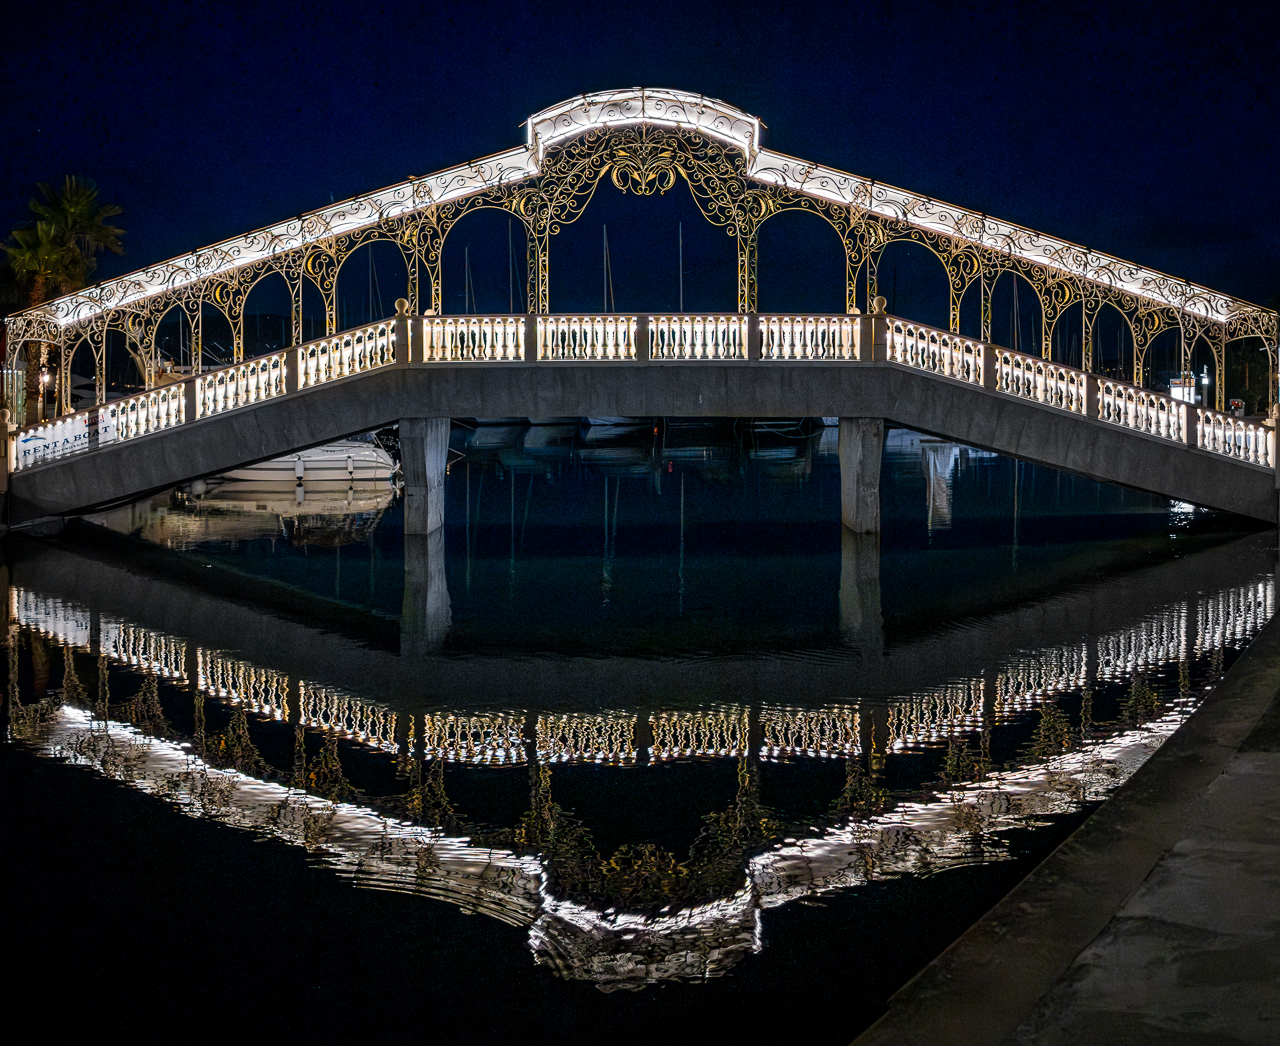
(346, 217)
(826, 183)
(679, 109)
(707, 116)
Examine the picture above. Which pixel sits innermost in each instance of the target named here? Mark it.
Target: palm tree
(45, 262)
(74, 213)
(56, 254)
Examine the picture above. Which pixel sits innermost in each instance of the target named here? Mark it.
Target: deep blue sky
(1145, 130)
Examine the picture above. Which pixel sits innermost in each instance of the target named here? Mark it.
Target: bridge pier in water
(425, 610)
(861, 622)
(861, 447)
(424, 453)
(425, 613)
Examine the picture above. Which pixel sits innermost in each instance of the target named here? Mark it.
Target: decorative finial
(877, 306)
(402, 306)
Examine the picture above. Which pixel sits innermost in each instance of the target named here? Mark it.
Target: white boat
(347, 459)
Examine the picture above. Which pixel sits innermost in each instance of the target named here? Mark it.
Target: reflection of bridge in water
(599, 925)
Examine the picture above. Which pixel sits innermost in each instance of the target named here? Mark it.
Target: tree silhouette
(55, 255)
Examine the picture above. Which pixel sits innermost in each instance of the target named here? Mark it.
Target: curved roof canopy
(674, 109)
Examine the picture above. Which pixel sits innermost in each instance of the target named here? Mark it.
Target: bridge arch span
(805, 244)
(268, 295)
(369, 280)
(913, 278)
(487, 221)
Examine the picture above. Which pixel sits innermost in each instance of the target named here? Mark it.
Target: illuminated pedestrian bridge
(422, 367)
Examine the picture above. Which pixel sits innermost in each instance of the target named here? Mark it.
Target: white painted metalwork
(807, 337)
(587, 337)
(460, 339)
(356, 351)
(639, 105)
(721, 336)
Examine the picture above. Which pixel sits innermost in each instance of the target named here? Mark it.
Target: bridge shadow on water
(640, 717)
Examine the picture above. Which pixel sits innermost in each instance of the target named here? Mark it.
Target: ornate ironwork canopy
(645, 140)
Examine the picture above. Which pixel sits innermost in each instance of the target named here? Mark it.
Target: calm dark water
(640, 737)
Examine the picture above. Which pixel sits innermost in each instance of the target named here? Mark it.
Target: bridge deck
(875, 367)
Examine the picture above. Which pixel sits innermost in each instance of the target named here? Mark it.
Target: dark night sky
(1145, 130)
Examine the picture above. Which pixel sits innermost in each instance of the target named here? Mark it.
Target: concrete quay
(1158, 921)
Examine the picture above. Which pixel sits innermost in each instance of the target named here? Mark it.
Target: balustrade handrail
(609, 338)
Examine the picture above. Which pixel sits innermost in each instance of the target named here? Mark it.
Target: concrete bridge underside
(915, 399)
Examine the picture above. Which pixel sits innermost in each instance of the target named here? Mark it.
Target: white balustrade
(478, 339)
(240, 385)
(807, 337)
(686, 337)
(938, 352)
(353, 352)
(1234, 437)
(1040, 380)
(1140, 410)
(606, 338)
(587, 337)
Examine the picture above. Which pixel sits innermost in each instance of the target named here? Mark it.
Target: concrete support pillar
(861, 622)
(861, 446)
(425, 612)
(424, 452)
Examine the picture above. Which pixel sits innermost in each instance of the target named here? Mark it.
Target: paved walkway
(1157, 922)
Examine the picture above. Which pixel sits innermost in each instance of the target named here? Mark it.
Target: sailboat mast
(468, 290)
(1017, 319)
(680, 226)
(610, 303)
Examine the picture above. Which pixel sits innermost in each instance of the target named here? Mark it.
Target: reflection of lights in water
(582, 938)
(1181, 513)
